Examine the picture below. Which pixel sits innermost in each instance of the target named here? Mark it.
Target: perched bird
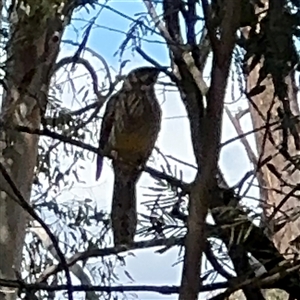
(129, 130)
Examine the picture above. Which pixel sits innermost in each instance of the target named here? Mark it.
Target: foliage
(81, 84)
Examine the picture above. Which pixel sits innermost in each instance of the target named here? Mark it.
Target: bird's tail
(124, 212)
(99, 166)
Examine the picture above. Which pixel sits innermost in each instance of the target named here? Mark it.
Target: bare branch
(214, 262)
(248, 133)
(155, 173)
(164, 290)
(109, 251)
(68, 60)
(238, 128)
(76, 269)
(101, 58)
(215, 42)
(233, 284)
(179, 52)
(19, 199)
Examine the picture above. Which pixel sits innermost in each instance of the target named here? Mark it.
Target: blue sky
(146, 267)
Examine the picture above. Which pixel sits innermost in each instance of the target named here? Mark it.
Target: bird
(129, 130)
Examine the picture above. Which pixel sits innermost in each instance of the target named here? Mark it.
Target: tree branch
(19, 199)
(164, 290)
(101, 58)
(76, 269)
(236, 124)
(89, 67)
(155, 173)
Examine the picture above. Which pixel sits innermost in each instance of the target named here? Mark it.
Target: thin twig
(68, 60)
(248, 133)
(20, 200)
(215, 42)
(236, 124)
(100, 57)
(164, 290)
(155, 173)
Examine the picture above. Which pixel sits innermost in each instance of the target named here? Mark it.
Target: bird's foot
(122, 247)
(115, 156)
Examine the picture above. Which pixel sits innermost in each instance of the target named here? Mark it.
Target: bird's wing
(107, 121)
(106, 127)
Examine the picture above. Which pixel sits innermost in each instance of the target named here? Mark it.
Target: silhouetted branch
(242, 135)
(215, 263)
(89, 67)
(101, 58)
(232, 285)
(20, 200)
(207, 11)
(212, 231)
(164, 290)
(155, 173)
(109, 251)
(267, 281)
(235, 122)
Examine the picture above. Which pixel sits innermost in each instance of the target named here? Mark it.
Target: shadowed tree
(34, 33)
(277, 147)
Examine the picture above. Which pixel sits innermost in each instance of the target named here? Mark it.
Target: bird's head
(144, 76)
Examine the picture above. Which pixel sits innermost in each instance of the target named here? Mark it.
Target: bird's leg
(114, 154)
(120, 160)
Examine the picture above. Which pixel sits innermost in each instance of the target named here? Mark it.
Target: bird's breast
(136, 128)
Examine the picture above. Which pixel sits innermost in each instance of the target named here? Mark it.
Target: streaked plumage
(130, 127)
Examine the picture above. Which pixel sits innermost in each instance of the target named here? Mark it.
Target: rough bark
(31, 53)
(273, 186)
(263, 109)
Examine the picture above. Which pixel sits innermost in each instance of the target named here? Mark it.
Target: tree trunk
(273, 187)
(31, 51)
